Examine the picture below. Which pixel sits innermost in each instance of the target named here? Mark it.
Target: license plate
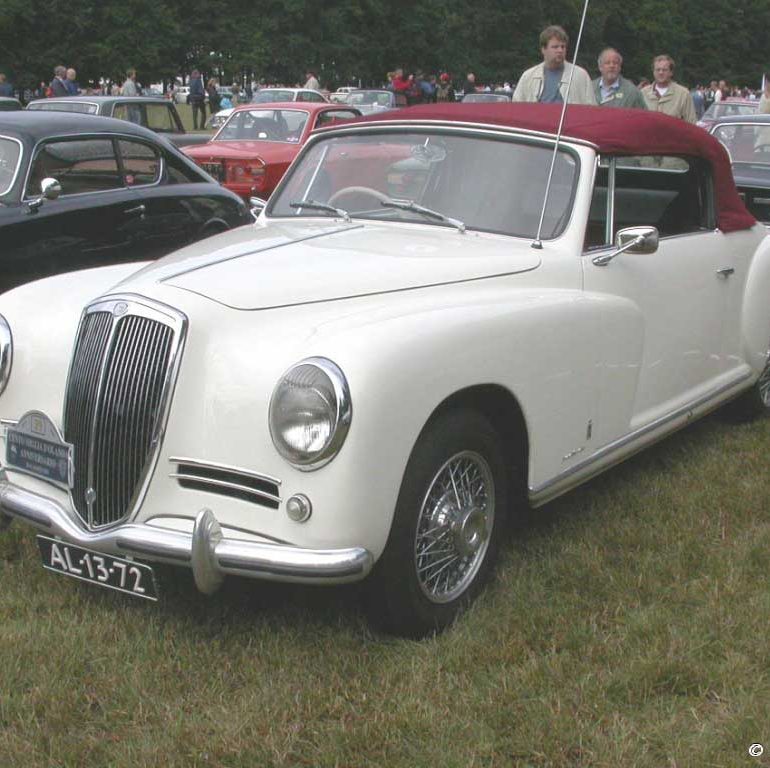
(98, 568)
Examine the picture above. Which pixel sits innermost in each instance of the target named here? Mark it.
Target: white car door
(673, 301)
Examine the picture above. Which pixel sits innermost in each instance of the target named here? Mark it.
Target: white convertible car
(405, 348)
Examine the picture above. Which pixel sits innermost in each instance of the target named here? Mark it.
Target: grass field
(627, 627)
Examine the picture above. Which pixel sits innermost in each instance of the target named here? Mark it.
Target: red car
(256, 145)
(732, 106)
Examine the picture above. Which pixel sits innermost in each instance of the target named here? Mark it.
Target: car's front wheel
(446, 529)
(756, 402)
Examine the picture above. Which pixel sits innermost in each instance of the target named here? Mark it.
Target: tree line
(345, 41)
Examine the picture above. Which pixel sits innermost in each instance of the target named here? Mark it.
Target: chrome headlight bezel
(342, 416)
(6, 353)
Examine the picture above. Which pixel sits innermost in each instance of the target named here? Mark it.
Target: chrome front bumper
(210, 555)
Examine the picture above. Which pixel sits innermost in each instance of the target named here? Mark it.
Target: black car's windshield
(748, 143)
(10, 153)
(443, 179)
(264, 125)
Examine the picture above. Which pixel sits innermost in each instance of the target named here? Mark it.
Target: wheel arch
(505, 414)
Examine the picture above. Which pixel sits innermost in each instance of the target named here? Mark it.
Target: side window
(670, 193)
(334, 116)
(131, 112)
(177, 172)
(83, 165)
(141, 163)
(160, 118)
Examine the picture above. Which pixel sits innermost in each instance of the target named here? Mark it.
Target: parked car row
(442, 316)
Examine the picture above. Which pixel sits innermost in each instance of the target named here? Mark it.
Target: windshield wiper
(412, 206)
(316, 206)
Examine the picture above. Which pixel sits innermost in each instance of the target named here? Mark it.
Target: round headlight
(310, 413)
(6, 352)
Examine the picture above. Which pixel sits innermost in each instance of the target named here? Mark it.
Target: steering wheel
(353, 191)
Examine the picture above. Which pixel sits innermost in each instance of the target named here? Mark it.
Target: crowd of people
(547, 81)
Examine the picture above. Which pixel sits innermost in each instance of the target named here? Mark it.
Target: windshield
(285, 125)
(484, 183)
(746, 143)
(716, 111)
(10, 151)
(380, 98)
(271, 95)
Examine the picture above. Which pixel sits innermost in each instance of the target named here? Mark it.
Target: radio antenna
(538, 243)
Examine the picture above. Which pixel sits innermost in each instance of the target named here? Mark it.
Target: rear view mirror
(637, 239)
(50, 188)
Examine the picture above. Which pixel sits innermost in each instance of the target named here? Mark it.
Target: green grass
(627, 627)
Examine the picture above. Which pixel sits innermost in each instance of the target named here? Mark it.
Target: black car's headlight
(6, 352)
(310, 413)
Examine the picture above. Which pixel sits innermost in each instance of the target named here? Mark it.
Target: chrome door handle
(140, 209)
(725, 271)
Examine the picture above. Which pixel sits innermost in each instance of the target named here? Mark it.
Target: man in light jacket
(547, 82)
(612, 89)
(666, 96)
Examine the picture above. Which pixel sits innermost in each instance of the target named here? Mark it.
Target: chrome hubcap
(454, 526)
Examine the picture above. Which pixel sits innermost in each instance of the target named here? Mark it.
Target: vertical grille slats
(114, 399)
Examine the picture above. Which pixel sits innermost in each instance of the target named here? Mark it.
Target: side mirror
(632, 239)
(50, 188)
(637, 239)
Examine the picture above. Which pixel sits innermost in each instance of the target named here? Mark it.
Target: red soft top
(613, 131)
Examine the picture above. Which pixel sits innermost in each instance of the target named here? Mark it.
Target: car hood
(269, 151)
(289, 263)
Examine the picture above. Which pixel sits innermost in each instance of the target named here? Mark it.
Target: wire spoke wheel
(454, 526)
(763, 385)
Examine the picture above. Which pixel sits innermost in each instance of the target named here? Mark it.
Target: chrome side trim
(225, 467)
(210, 555)
(615, 452)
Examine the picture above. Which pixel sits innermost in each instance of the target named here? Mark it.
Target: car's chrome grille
(119, 383)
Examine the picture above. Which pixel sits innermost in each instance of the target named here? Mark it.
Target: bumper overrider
(207, 551)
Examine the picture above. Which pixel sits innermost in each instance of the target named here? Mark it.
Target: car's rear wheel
(446, 529)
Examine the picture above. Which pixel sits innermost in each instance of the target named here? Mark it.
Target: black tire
(755, 402)
(408, 594)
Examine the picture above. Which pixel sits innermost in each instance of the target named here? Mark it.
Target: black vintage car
(78, 191)
(159, 115)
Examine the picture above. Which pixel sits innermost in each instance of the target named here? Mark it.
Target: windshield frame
(439, 127)
(260, 108)
(19, 163)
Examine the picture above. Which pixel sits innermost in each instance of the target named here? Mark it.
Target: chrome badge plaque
(35, 446)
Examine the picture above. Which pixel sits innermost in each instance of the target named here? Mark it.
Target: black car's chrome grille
(118, 385)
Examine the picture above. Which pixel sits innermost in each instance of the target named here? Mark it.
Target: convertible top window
(10, 152)
(65, 106)
(486, 183)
